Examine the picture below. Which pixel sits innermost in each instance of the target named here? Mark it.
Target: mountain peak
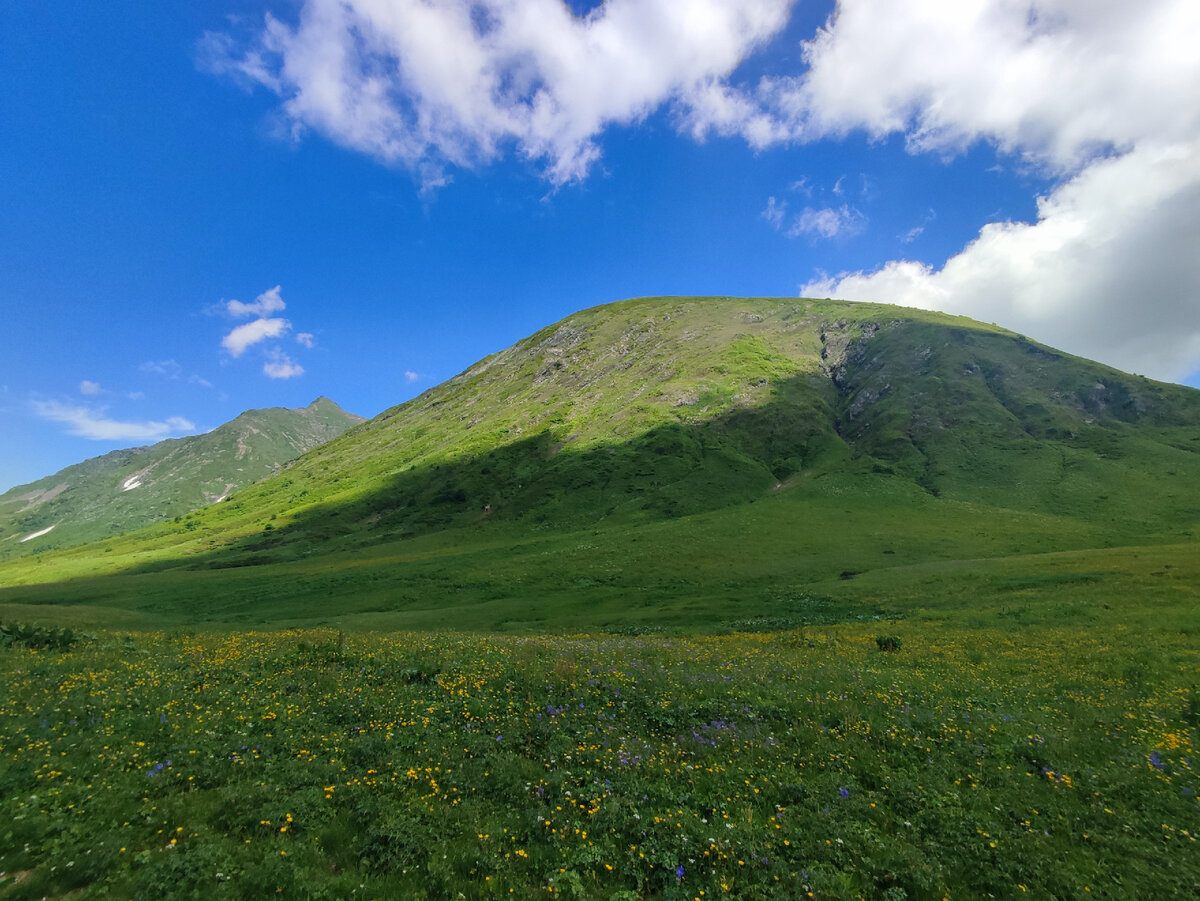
(130, 488)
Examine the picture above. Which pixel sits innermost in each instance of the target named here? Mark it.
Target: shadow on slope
(969, 422)
(920, 443)
(541, 483)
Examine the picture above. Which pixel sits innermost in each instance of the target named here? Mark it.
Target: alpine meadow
(679, 597)
(755, 453)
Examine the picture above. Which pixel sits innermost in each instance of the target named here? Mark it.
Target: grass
(979, 754)
(85, 502)
(679, 598)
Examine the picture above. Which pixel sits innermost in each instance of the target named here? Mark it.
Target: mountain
(127, 489)
(675, 459)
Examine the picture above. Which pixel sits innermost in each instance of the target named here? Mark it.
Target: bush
(39, 637)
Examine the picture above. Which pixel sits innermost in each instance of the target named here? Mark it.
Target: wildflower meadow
(833, 762)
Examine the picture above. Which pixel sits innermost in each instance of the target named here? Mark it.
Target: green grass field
(995, 750)
(679, 598)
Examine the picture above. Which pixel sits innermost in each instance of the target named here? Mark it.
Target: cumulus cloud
(280, 366)
(264, 328)
(454, 83)
(1105, 270)
(88, 387)
(91, 423)
(251, 333)
(1109, 270)
(1055, 80)
(1099, 96)
(264, 305)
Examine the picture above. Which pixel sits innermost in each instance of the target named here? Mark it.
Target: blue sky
(388, 196)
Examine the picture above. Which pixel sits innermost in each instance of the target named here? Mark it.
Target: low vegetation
(938, 759)
(753, 598)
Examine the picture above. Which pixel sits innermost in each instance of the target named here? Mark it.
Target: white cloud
(89, 423)
(827, 222)
(1109, 270)
(917, 230)
(87, 387)
(823, 222)
(167, 368)
(280, 366)
(1101, 95)
(251, 333)
(426, 85)
(775, 211)
(264, 305)
(1055, 80)
(307, 339)
(411, 376)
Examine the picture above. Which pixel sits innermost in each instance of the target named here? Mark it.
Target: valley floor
(910, 758)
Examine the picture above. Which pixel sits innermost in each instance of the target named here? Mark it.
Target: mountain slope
(662, 457)
(127, 489)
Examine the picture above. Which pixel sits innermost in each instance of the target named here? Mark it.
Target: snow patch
(130, 483)
(37, 534)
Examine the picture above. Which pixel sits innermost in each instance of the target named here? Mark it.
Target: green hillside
(128, 489)
(680, 461)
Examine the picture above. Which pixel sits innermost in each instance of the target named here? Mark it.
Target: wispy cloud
(775, 211)
(88, 422)
(280, 366)
(166, 368)
(410, 376)
(306, 339)
(827, 222)
(88, 387)
(917, 230)
(815, 222)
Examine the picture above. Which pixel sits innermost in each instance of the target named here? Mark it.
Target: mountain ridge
(689, 451)
(134, 486)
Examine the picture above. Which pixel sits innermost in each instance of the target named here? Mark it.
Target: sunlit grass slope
(686, 461)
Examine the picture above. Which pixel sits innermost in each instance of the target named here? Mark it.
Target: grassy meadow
(676, 599)
(960, 753)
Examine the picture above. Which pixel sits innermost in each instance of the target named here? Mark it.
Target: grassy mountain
(127, 489)
(685, 460)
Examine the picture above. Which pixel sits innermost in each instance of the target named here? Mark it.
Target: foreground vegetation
(770, 598)
(910, 758)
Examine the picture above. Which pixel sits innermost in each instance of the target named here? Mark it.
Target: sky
(230, 204)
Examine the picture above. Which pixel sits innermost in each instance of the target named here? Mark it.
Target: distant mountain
(659, 457)
(127, 489)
